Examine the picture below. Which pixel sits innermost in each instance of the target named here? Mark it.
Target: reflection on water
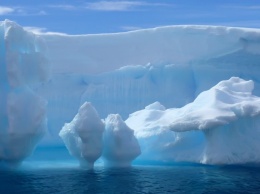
(138, 179)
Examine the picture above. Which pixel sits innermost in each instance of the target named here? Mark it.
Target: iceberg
(226, 119)
(23, 119)
(120, 144)
(124, 72)
(84, 139)
(178, 71)
(83, 136)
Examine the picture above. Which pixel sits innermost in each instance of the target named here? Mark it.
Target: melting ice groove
(199, 86)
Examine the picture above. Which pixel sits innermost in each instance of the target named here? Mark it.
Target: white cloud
(38, 30)
(35, 30)
(120, 5)
(65, 7)
(21, 11)
(113, 5)
(252, 7)
(130, 28)
(42, 12)
(6, 10)
(245, 23)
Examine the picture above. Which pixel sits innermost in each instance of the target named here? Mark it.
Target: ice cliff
(124, 72)
(22, 111)
(167, 67)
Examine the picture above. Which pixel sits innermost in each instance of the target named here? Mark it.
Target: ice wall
(22, 112)
(95, 54)
(221, 126)
(124, 72)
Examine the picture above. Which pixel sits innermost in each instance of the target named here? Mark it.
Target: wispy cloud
(35, 30)
(38, 30)
(21, 11)
(26, 11)
(64, 7)
(130, 28)
(42, 12)
(113, 5)
(108, 5)
(6, 10)
(251, 7)
(245, 23)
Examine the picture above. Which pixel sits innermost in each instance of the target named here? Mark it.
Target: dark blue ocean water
(137, 179)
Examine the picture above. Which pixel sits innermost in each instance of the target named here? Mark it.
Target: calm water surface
(137, 179)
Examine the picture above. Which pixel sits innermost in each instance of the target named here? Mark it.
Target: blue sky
(85, 17)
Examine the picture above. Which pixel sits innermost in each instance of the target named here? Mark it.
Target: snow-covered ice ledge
(221, 126)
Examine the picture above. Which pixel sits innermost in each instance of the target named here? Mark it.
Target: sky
(109, 16)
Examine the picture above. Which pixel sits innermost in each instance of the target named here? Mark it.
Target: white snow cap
(224, 103)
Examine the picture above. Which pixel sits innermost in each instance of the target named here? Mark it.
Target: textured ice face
(85, 140)
(228, 101)
(83, 135)
(26, 125)
(122, 73)
(172, 44)
(90, 129)
(22, 111)
(221, 126)
(120, 144)
(25, 56)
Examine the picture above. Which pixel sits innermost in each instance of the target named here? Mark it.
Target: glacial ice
(22, 111)
(84, 139)
(83, 136)
(120, 143)
(124, 72)
(218, 127)
(225, 117)
(121, 73)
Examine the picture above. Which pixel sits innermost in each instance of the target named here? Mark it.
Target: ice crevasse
(201, 82)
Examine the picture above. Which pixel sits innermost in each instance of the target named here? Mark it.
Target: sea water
(180, 178)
